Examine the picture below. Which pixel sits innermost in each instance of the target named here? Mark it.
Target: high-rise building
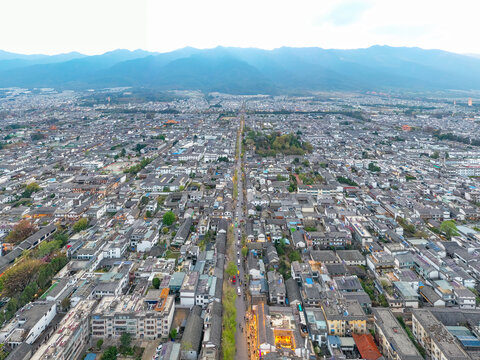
(470, 102)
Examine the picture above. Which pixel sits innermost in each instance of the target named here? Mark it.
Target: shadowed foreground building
(435, 338)
(392, 339)
(71, 337)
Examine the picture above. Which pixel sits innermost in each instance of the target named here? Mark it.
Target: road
(240, 303)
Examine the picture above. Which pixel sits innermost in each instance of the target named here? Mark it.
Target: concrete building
(344, 317)
(71, 337)
(392, 339)
(439, 343)
(129, 313)
(29, 323)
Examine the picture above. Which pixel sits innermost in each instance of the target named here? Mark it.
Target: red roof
(366, 346)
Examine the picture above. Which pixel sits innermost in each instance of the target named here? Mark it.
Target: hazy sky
(96, 26)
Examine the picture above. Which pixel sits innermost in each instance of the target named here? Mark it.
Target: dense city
(182, 225)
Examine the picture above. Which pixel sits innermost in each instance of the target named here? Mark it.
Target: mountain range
(248, 70)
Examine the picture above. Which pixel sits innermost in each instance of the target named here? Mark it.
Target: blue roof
(180, 151)
(309, 281)
(469, 341)
(90, 356)
(465, 336)
(334, 340)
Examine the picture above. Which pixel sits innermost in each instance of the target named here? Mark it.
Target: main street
(240, 303)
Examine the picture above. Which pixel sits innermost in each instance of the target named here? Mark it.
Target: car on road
(234, 279)
(238, 262)
(239, 292)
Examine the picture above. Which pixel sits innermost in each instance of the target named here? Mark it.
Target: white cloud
(96, 26)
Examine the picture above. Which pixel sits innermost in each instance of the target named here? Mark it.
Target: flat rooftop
(395, 334)
(440, 335)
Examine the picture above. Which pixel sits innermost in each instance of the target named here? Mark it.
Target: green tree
(231, 269)
(28, 293)
(280, 246)
(449, 228)
(148, 214)
(169, 218)
(161, 200)
(244, 251)
(156, 282)
(11, 308)
(347, 181)
(47, 247)
(30, 189)
(66, 303)
(173, 334)
(80, 225)
(99, 343)
(110, 353)
(37, 136)
(382, 300)
(373, 167)
(294, 256)
(3, 353)
(62, 237)
(125, 342)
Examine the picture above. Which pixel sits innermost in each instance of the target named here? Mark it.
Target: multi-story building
(70, 339)
(189, 289)
(276, 288)
(29, 324)
(344, 317)
(439, 343)
(131, 314)
(393, 341)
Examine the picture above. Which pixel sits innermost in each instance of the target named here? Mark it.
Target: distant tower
(454, 102)
(469, 101)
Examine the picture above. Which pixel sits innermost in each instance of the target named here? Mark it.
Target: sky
(97, 26)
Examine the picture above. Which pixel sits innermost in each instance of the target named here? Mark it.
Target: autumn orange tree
(16, 278)
(21, 231)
